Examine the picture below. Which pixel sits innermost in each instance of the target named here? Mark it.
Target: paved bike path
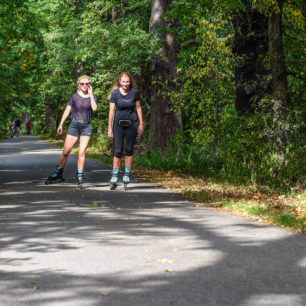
(146, 246)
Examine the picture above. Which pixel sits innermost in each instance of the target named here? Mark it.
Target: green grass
(279, 216)
(4, 137)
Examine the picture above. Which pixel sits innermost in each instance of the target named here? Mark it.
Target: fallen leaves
(200, 205)
(217, 195)
(95, 204)
(34, 285)
(162, 261)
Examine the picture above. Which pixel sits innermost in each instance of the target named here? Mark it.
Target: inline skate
(114, 180)
(55, 177)
(126, 178)
(80, 179)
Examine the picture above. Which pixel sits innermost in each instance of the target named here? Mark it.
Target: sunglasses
(82, 84)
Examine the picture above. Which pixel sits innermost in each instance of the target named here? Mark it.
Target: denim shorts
(80, 129)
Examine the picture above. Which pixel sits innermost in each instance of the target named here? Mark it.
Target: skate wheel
(112, 187)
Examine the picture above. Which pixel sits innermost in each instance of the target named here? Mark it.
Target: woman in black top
(82, 103)
(124, 121)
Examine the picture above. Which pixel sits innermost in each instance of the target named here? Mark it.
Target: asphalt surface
(146, 246)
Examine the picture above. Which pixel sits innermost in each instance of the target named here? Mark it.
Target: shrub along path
(145, 246)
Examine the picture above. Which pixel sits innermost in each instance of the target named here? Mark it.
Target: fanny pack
(125, 123)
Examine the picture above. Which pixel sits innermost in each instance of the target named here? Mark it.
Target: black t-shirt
(125, 104)
(17, 122)
(81, 107)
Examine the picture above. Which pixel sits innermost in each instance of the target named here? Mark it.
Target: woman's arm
(139, 113)
(64, 117)
(112, 107)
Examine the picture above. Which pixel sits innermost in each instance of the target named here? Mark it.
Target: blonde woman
(124, 121)
(82, 103)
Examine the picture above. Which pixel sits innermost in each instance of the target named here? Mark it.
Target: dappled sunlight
(15, 193)
(19, 182)
(101, 170)
(274, 300)
(44, 151)
(241, 234)
(11, 170)
(130, 254)
(302, 262)
(8, 206)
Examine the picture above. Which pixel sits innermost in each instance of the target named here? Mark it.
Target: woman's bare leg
(129, 161)
(116, 162)
(70, 141)
(84, 140)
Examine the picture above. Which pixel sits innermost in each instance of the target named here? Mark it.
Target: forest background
(221, 82)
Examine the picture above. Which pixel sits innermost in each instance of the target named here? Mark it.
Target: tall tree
(164, 122)
(250, 47)
(277, 58)
(279, 73)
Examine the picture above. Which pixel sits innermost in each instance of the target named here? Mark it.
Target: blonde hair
(117, 83)
(83, 77)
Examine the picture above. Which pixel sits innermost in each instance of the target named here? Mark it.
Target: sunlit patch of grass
(287, 220)
(282, 215)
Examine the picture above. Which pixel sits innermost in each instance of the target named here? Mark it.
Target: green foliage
(103, 144)
(19, 43)
(46, 45)
(246, 153)
(215, 142)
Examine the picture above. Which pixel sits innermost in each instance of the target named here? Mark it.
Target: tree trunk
(277, 59)
(250, 47)
(279, 76)
(49, 115)
(163, 121)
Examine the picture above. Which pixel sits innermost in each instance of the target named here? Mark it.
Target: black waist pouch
(125, 123)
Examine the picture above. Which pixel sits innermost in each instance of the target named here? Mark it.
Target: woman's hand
(110, 132)
(60, 130)
(140, 129)
(90, 91)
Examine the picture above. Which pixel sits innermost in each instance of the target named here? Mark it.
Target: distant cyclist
(28, 127)
(82, 103)
(16, 127)
(11, 129)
